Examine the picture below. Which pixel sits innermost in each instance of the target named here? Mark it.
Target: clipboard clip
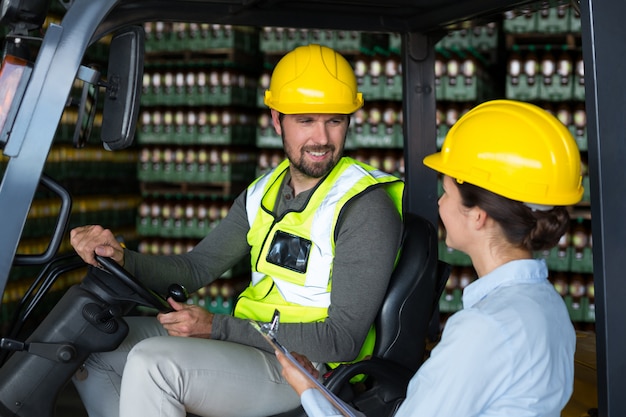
(270, 329)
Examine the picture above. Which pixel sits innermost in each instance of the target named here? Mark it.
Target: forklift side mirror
(123, 88)
(14, 76)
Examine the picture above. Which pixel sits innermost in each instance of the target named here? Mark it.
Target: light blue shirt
(509, 352)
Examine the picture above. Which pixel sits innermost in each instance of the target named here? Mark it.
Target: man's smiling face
(313, 143)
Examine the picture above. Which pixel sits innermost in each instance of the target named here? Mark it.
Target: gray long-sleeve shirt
(368, 239)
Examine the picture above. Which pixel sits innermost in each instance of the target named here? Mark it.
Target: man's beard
(312, 169)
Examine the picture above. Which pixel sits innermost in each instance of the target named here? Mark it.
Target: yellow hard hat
(513, 149)
(313, 79)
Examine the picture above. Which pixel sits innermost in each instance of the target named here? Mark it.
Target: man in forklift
(508, 168)
(322, 232)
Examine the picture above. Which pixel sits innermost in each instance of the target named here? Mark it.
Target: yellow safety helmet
(513, 149)
(313, 79)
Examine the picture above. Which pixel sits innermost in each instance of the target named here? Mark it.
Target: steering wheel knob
(178, 293)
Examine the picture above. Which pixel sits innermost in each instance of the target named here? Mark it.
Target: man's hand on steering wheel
(98, 247)
(92, 240)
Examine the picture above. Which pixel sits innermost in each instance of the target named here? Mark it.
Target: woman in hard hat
(509, 168)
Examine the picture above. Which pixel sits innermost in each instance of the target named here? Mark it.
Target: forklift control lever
(58, 352)
(102, 317)
(178, 293)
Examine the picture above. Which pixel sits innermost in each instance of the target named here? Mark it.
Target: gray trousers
(153, 374)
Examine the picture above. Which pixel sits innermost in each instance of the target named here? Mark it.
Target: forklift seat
(402, 326)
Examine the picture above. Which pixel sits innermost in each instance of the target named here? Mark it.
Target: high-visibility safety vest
(292, 255)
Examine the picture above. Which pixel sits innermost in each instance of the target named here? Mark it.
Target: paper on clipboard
(325, 391)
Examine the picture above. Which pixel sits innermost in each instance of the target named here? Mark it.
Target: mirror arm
(88, 75)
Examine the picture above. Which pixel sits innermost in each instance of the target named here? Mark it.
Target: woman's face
(454, 215)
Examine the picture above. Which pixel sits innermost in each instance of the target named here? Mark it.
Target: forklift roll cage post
(421, 24)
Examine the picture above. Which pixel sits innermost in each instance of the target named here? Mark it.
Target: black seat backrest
(402, 323)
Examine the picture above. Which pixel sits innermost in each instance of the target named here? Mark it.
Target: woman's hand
(293, 375)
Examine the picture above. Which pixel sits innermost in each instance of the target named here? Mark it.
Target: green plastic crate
(226, 135)
(378, 136)
(556, 87)
(453, 256)
(392, 88)
(522, 87)
(450, 302)
(580, 135)
(554, 19)
(557, 259)
(484, 38)
(589, 310)
(267, 138)
(574, 308)
(456, 39)
(461, 88)
(294, 38)
(582, 261)
(524, 23)
(371, 87)
(272, 40)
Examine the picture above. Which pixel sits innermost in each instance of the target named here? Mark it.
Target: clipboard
(268, 331)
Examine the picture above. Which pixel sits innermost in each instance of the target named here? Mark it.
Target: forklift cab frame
(29, 123)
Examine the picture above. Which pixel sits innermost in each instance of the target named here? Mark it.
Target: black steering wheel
(150, 297)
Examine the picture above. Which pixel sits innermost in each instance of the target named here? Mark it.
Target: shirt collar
(518, 271)
(287, 201)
